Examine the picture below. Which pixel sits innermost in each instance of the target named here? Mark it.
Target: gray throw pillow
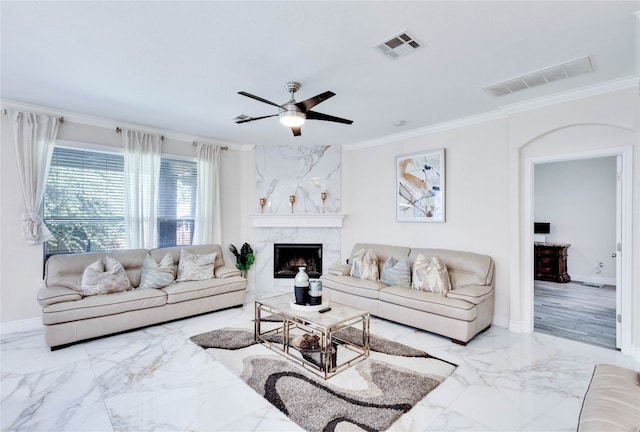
(157, 275)
(396, 272)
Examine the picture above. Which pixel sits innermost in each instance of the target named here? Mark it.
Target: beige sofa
(69, 317)
(612, 401)
(461, 314)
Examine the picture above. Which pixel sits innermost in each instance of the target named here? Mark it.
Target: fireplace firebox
(287, 257)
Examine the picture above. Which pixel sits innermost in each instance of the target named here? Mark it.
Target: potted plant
(244, 258)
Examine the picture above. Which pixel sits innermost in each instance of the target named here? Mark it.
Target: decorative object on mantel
(263, 201)
(301, 286)
(420, 187)
(323, 196)
(244, 258)
(292, 199)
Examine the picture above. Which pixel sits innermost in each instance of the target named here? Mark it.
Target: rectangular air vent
(398, 45)
(543, 76)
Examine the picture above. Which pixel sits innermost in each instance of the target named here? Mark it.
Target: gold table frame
(326, 325)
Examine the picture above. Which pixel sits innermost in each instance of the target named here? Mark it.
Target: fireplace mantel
(297, 220)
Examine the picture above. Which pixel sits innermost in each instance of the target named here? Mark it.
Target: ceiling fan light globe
(292, 118)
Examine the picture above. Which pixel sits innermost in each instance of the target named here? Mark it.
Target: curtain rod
(61, 119)
(221, 147)
(119, 130)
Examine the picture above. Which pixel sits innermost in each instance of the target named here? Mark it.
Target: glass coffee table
(325, 343)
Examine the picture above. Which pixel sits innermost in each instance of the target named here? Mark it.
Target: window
(84, 201)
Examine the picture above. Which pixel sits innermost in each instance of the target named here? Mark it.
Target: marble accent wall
(303, 171)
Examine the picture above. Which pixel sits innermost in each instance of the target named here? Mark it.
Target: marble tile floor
(155, 379)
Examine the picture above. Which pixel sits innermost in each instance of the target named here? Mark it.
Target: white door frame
(625, 256)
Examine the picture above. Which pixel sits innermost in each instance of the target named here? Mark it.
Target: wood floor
(576, 311)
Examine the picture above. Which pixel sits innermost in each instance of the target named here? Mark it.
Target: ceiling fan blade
(296, 131)
(258, 98)
(307, 104)
(313, 115)
(254, 118)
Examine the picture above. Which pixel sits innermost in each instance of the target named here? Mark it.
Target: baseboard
(21, 326)
(500, 322)
(515, 326)
(593, 280)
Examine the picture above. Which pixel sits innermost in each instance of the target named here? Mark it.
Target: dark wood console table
(550, 262)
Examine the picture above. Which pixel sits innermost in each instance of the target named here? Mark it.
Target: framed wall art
(420, 187)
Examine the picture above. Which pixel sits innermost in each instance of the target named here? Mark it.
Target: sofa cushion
(349, 284)
(340, 270)
(429, 302)
(612, 401)
(190, 290)
(475, 294)
(193, 267)
(396, 272)
(51, 295)
(464, 268)
(104, 276)
(227, 272)
(157, 275)
(103, 305)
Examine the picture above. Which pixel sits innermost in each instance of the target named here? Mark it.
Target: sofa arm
(56, 294)
(340, 270)
(475, 294)
(227, 272)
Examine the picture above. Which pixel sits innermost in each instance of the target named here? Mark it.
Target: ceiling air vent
(552, 73)
(398, 45)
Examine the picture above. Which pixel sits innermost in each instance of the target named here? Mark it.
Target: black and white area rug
(369, 396)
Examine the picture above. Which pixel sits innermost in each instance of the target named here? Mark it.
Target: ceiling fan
(293, 114)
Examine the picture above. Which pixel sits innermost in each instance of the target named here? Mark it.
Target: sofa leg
(459, 342)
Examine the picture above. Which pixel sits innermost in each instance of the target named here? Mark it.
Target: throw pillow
(365, 265)
(195, 267)
(396, 272)
(430, 275)
(419, 273)
(157, 275)
(357, 263)
(104, 276)
(437, 276)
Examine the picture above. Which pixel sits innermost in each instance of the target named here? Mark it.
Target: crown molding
(503, 112)
(106, 123)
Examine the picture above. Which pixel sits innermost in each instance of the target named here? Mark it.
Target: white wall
(21, 264)
(578, 199)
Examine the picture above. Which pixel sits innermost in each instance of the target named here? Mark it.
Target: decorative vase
(315, 292)
(301, 286)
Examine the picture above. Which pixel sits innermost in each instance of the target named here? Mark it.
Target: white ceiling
(178, 66)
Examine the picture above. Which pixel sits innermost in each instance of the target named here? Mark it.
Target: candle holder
(323, 195)
(263, 201)
(292, 199)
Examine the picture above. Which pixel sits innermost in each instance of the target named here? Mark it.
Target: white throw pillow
(419, 273)
(365, 265)
(438, 276)
(157, 275)
(104, 276)
(195, 267)
(432, 277)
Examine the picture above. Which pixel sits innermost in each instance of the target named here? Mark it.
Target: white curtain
(33, 137)
(208, 229)
(141, 176)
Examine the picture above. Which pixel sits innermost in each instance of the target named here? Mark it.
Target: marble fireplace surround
(305, 172)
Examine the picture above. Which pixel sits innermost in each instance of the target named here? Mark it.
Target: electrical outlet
(601, 264)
